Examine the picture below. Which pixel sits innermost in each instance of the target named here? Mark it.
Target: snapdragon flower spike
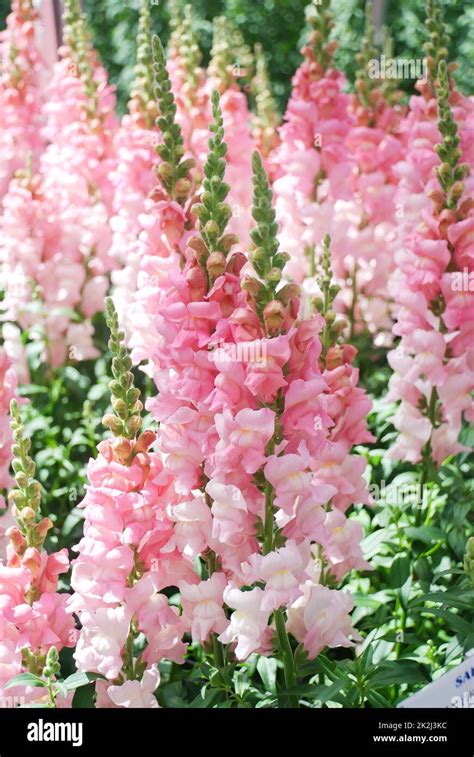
(173, 169)
(62, 261)
(417, 188)
(334, 325)
(271, 301)
(365, 85)
(436, 48)
(77, 39)
(230, 64)
(25, 498)
(266, 118)
(231, 57)
(188, 79)
(451, 172)
(21, 93)
(432, 364)
(184, 45)
(133, 175)
(126, 421)
(33, 615)
(312, 169)
(213, 212)
(320, 18)
(8, 384)
(125, 557)
(142, 95)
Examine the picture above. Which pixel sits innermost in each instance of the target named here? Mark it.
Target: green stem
(353, 303)
(218, 652)
(52, 694)
(129, 647)
(426, 454)
(287, 655)
(268, 529)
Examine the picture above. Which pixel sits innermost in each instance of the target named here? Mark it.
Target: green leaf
(61, 689)
(267, 668)
(426, 534)
(75, 680)
(25, 679)
(205, 699)
(453, 621)
(400, 571)
(399, 671)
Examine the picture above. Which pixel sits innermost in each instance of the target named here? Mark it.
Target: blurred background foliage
(280, 26)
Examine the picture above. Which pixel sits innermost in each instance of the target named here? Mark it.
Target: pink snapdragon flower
(21, 94)
(433, 363)
(320, 618)
(202, 606)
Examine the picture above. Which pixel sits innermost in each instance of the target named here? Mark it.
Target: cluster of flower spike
(242, 505)
(20, 94)
(33, 615)
(55, 254)
(227, 525)
(433, 363)
(335, 174)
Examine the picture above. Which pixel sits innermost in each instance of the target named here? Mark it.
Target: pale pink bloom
(414, 431)
(193, 526)
(291, 479)
(229, 513)
(321, 619)
(265, 373)
(10, 654)
(345, 473)
(103, 635)
(203, 606)
(45, 623)
(137, 694)
(243, 439)
(342, 544)
(282, 571)
(248, 622)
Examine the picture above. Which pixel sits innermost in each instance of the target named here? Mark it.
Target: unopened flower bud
(17, 539)
(288, 293)
(469, 559)
(122, 449)
(120, 407)
(437, 198)
(456, 190)
(144, 441)
(134, 424)
(198, 247)
(43, 527)
(444, 171)
(112, 422)
(215, 264)
(252, 285)
(228, 241)
(32, 561)
(274, 275)
(28, 514)
(182, 188)
(211, 229)
(273, 316)
(166, 171)
(195, 279)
